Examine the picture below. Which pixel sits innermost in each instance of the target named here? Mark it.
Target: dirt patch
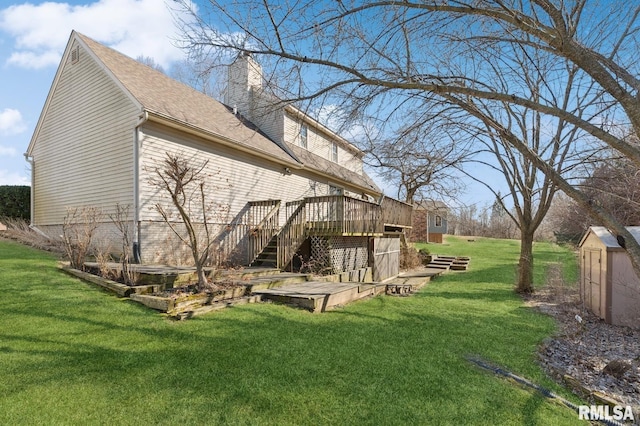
(601, 357)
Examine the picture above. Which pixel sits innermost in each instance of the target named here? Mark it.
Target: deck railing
(292, 234)
(244, 236)
(396, 213)
(263, 226)
(338, 214)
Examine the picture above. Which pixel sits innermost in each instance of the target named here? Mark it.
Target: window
(335, 190)
(303, 136)
(438, 221)
(334, 152)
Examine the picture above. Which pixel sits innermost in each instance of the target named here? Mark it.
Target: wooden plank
(118, 288)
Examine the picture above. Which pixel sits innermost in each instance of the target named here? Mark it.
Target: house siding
(424, 227)
(83, 155)
(245, 178)
(320, 144)
(269, 118)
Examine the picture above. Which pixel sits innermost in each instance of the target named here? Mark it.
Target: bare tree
(186, 185)
(501, 223)
(421, 157)
(122, 222)
(78, 228)
(150, 62)
(430, 47)
(613, 183)
(200, 75)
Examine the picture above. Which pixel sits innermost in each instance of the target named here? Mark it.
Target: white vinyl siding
(236, 177)
(84, 151)
(320, 144)
(267, 117)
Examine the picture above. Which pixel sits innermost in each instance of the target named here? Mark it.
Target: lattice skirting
(340, 254)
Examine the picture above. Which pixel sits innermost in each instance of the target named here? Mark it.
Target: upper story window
(438, 221)
(303, 136)
(334, 152)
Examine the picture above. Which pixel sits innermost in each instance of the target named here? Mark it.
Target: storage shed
(609, 287)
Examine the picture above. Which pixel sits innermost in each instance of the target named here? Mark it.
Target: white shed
(609, 287)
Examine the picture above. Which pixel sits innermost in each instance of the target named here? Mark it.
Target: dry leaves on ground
(602, 357)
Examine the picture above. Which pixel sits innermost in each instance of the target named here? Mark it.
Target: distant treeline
(15, 202)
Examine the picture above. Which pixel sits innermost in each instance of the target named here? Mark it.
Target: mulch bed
(602, 358)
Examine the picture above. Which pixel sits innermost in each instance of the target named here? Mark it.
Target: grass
(73, 354)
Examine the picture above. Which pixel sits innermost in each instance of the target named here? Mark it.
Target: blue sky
(32, 39)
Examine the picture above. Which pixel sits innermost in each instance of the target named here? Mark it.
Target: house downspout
(31, 192)
(32, 209)
(136, 187)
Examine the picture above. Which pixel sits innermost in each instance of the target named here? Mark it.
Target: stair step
(319, 296)
(275, 281)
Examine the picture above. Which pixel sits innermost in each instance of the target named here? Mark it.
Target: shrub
(77, 232)
(19, 230)
(409, 257)
(15, 202)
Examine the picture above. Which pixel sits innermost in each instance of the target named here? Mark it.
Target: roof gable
(72, 43)
(161, 95)
(607, 237)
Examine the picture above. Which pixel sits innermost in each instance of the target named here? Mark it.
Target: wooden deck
(269, 284)
(320, 296)
(323, 296)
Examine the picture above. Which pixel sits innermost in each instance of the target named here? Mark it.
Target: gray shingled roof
(313, 161)
(160, 94)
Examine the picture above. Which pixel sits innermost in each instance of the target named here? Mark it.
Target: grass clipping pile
(601, 357)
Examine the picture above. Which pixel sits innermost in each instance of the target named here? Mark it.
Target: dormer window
(303, 136)
(334, 152)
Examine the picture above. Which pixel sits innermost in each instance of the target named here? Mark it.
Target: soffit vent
(75, 55)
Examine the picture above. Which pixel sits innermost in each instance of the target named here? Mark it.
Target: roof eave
(215, 137)
(45, 108)
(315, 123)
(370, 191)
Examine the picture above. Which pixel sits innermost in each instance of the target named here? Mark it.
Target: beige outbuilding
(609, 286)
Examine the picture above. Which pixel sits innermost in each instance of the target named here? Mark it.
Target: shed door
(592, 274)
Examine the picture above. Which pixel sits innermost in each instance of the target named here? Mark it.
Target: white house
(109, 121)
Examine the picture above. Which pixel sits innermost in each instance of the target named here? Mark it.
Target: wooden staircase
(268, 257)
(454, 263)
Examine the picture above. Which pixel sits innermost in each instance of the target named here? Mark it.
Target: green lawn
(73, 354)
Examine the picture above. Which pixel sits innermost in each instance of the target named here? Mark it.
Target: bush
(409, 257)
(15, 202)
(19, 230)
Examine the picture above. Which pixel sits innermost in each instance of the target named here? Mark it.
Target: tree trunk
(525, 264)
(202, 277)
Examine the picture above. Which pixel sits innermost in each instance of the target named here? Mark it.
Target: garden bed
(177, 302)
(183, 301)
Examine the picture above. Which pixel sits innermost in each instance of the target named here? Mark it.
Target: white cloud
(7, 151)
(11, 123)
(12, 178)
(133, 27)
